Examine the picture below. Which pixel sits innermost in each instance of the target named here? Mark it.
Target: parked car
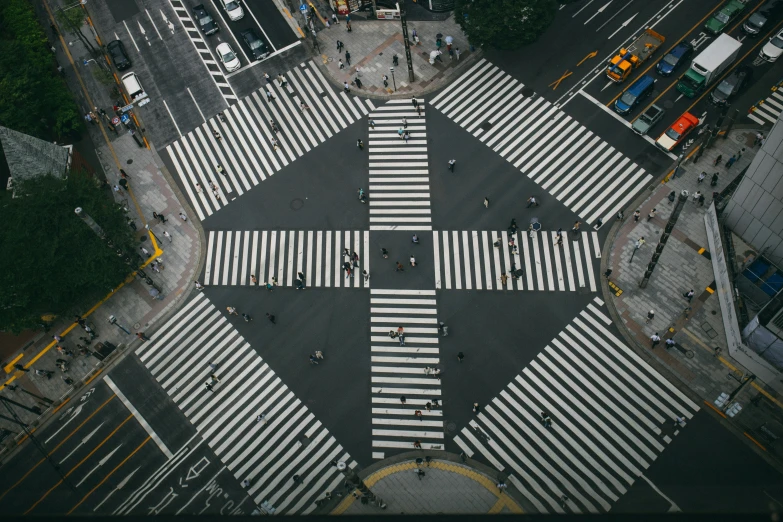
(118, 55)
(773, 49)
(731, 85)
(675, 58)
(204, 20)
(724, 17)
(257, 47)
(677, 132)
(233, 9)
(228, 57)
(647, 120)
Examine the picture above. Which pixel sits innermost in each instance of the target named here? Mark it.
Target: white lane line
(172, 118)
(142, 421)
(196, 104)
(131, 37)
(153, 23)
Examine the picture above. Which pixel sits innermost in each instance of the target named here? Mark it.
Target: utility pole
(406, 42)
(664, 238)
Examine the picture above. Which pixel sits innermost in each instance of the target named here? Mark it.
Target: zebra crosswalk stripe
(398, 370)
(267, 454)
(459, 256)
(244, 144)
(234, 256)
(555, 151)
(612, 416)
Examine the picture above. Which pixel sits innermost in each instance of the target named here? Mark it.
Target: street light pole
(394, 82)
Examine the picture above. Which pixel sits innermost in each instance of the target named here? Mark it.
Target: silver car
(647, 120)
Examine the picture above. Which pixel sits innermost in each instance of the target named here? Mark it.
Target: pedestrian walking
(717, 160)
(385, 253)
(608, 273)
(21, 368)
(145, 251)
(253, 279)
(360, 144)
(413, 261)
(348, 26)
(399, 267)
(678, 421)
(701, 177)
(451, 53)
(476, 407)
(415, 102)
(503, 278)
(443, 329)
(348, 58)
(452, 162)
(456, 52)
(701, 200)
(319, 354)
(689, 295)
(313, 359)
(271, 318)
(335, 20)
(575, 228)
(714, 180)
(247, 318)
(214, 378)
(419, 414)
(231, 310)
(740, 153)
(655, 338)
(636, 216)
(559, 240)
(346, 87)
(366, 275)
(142, 336)
(670, 343)
(758, 139)
(460, 356)
(340, 64)
(403, 400)
(416, 444)
(182, 216)
(159, 217)
(428, 406)
(208, 386)
(731, 161)
(486, 202)
(415, 239)
(546, 419)
(652, 214)
(531, 201)
(650, 316)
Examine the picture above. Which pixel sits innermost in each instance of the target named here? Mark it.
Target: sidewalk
(373, 43)
(685, 264)
(448, 486)
(151, 190)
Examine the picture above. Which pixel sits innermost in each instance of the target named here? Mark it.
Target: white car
(233, 9)
(228, 57)
(773, 49)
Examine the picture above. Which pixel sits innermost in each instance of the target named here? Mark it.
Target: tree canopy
(504, 24)
(33, 98)
(52, 261)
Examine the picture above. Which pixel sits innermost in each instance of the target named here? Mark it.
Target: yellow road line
(58, 446)
(90, 454)
(10, 366)
(58, 408)
(110, 473)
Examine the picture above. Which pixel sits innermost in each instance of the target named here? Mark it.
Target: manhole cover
(450, 426)
(668, 104)
(296, 204)
(527, 92)
(487, 125)
(129, 162)
(136, 326)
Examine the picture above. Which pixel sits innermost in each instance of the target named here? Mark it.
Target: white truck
(708, 65)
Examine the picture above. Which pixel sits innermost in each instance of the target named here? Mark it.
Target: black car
(257, 47)
(731, 85)
(118, 55)
(204, 20)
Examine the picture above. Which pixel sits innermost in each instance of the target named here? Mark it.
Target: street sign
(125, 118)
(126, 108)
(303, 8)
(115, 121)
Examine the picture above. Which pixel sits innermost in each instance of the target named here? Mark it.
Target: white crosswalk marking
(399, 371)
(612, 415)
(767, 111)
(244, 144)
(541, 263)
(546, 144)
(399, 168)
(233, 257)
(267, 454)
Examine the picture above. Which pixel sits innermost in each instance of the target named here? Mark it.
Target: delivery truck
(708, 65)
(633, 56)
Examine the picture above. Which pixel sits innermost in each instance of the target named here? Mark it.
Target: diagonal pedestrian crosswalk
(235, 257)
(470, 259)
(261, 135)
(399, 168)
(612, 415)
(268, 454)
(581, 170)
(398, 371)
(767, 111)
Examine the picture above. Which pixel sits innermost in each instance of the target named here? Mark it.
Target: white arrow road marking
(101, 462)
(76, 412)
(608, 84)
(118, 487)
(84, 440)
(600, 10)
(623, 26)
(615, 14)
(87, 395)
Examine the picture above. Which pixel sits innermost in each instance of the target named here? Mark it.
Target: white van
(133, 86)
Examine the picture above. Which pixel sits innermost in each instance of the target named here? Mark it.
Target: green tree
(504, 24)
(52, 262)
(33, 98)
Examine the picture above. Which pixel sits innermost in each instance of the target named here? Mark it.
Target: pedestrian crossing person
(247, 318)
(199, 286)
(299, 284)
(655, 338)
(214, 378)
(452, 162)
(340, 64)
(208, 386)
(360, 144)
(198, 188)
(731, 161)
(419, 414)
(428, 406)
(406, 136)
(231, 310)
(415, 102)
(650, 316)
(575, 228)
(217, 135)
(263, 419)
(313, 359)
(512, 227)
(371, 122)
(271, 318)
(319, 354)
(413, 261)
(486, 202)
(546, 419)
(245, 483)
(385, 253)
(268, 285)
(678, 421)
(652, 213)
(366, 275)
(701, 177)
(267, 78)
(282, 81)
(269, 96)
(415, 239)
(303, 107)
(559, 240)
(403, 400)
(348, 58)
(476, 407)
(220, 170)
(531, 201)
(273, 124)
(416, 444)
(443, 329)
(301, 276)
(399, 267)
(503, 278)
(346, 87)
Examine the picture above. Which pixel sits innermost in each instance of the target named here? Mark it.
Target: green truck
(708, 65)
